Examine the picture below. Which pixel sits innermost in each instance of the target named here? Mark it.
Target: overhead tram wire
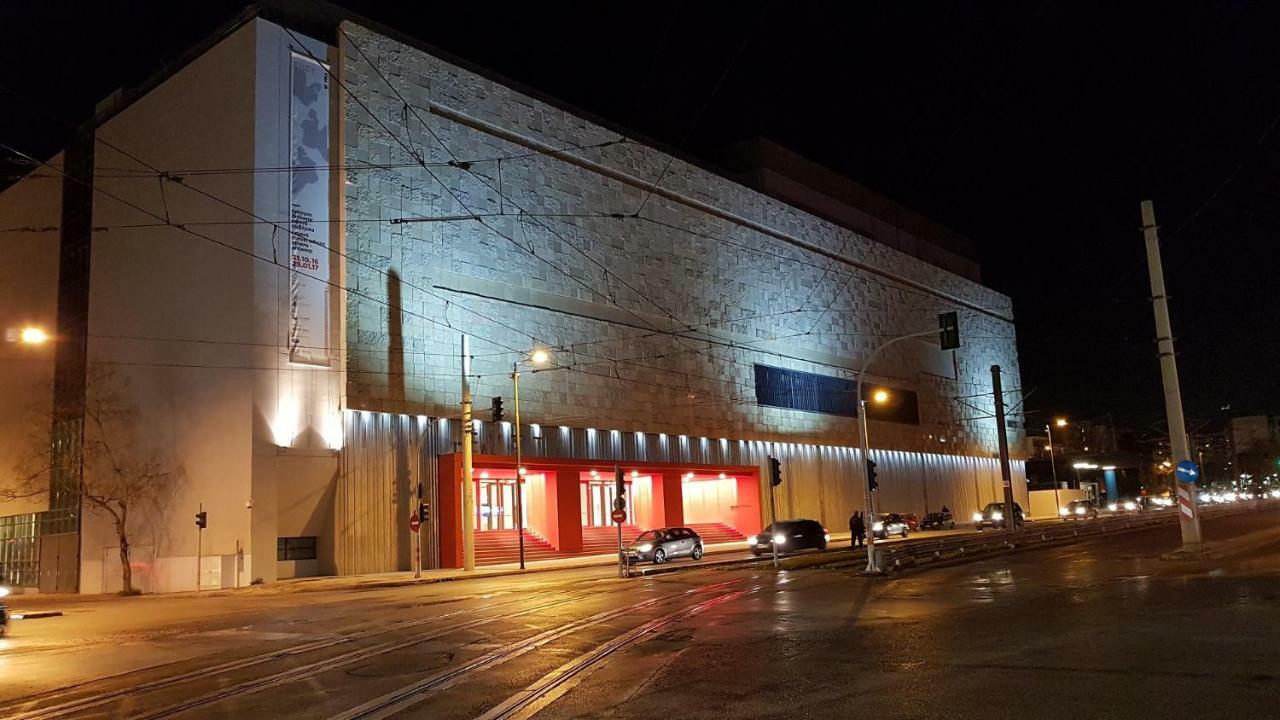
(340, 287)
(706, 104)
(458, 199)
(94, 188)
(335, 285)
(444, 146)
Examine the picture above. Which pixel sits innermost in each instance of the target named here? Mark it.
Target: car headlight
(751, 539)
(779, 539)
(1063, 511)
(1079, 511)
(997, 515)
(646, 547)
(1111, 507)
(977, 517)
(877, 527)
(826, 537)
(4, 591)
(1130, 506)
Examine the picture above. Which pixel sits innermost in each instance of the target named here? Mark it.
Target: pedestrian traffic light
(949, 330)
(497, 409)
(424, 512)
(872, 485)
(202, 519)
(775, 472)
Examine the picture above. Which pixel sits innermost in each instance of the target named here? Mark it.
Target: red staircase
(713, 533)
(494, 547)
(602, 540)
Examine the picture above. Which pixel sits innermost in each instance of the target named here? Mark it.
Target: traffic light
(424, 512)
(497, 409)
(872, 485)
(202, 519)
(620, 485)
(775, 472)
(949, 330)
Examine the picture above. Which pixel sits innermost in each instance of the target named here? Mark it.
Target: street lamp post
(1053, 465)
(873, 563)
(538, 356)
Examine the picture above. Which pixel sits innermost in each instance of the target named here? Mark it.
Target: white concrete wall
(30, 215)
(197, 320)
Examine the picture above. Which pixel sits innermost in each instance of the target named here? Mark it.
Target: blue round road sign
(1187, 472)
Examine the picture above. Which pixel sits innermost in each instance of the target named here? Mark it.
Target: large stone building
(270, 254)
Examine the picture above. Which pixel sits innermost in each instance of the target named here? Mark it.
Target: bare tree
(125, 478)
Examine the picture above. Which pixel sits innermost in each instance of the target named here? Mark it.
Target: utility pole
(417, 536)
(468, 473)
(1010, 520)
(515, 393)
(1053, 465)
(200, 523)
(1188, 514)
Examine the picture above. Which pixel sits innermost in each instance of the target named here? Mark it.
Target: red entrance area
(567, 506)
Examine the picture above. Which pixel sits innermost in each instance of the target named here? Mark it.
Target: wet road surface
(1098, 629)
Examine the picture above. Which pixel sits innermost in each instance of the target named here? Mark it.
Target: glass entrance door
(495, 504)
(597, 503)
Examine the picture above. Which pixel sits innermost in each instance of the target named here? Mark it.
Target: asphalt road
(1099, 629)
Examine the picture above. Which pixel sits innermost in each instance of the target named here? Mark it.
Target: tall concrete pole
(468, 473)
(1188, 514)
(1053, 465)
(1002, 435)
(515, 397)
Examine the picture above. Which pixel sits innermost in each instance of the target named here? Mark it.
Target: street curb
(37, 615)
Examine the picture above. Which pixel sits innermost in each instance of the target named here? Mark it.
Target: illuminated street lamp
(880, 396)
(537, 357)
(33, 336)
(1060, 422)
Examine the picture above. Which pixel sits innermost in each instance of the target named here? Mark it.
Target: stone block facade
(655, 283)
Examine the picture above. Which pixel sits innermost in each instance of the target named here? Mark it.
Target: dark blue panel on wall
(810, 392)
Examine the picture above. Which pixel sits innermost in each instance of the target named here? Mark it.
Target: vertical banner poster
(308, 212)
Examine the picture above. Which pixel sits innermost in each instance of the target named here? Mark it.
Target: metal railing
(913, 554)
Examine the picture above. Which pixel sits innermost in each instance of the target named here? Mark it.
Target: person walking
(857, 530)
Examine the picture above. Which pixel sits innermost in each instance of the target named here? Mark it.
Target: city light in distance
(1060, 422)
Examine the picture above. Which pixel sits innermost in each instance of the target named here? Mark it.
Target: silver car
(662, 544)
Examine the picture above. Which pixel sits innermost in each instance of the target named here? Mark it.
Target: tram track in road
(65, 702)
(406, 697)
(553, 685)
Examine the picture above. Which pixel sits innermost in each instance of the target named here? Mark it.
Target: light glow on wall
(288, 420)
(331, 430)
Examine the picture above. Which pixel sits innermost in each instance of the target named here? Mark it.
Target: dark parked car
(938, 521)
(890, 524)
(790, 535)
(992, 516)
(662, 544)
(1079, 510)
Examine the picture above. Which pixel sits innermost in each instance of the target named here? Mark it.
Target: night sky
(1033, 128)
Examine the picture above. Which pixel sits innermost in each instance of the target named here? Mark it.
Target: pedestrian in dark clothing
(857, 530)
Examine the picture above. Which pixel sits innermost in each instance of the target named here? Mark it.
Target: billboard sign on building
(308, 212)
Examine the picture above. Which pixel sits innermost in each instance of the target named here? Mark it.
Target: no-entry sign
(619, 516)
